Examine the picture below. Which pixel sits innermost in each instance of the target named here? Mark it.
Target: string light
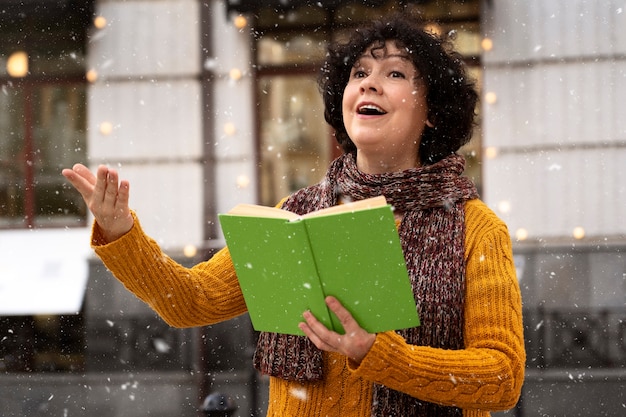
(491, 97)
(504, 206)
(491, 152)
(578, 233)
(243, 181)
(486, 44)
(91, 75)
(190, 251)
(99, 22)
(434, 28)
(106, 128)
(230, 129)
(240, 21)
(17, 64)
(235, 74)
(521, 234)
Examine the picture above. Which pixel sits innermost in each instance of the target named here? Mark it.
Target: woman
(401, 105)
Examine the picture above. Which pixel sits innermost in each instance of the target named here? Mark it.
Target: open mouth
(370, 110)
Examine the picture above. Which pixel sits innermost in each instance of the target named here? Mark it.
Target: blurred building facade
(205, 104)
(554, 153)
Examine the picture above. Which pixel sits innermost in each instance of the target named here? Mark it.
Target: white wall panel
(147, 38)
(553, 29)
(565, 104)
(558, 70)
(234, 110)
(232, 189)
(168, 199)
(615, 101)
(232, 47)
(145, 112)
(550, 193)
(498, 129)
(148, 120)
(235, 157)
(504, 22)
(617, 17)
(232, 96)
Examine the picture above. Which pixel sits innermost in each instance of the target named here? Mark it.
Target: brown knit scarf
(432, 234)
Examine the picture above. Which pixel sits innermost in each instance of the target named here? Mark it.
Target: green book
(287, 264)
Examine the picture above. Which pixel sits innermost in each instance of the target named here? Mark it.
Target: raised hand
(354, 344)
(106, 197)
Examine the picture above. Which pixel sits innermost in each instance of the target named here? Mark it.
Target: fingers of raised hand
(84, 173)
(102, 182)
(123, 194)
(111, 187)
(106, 197)
(106, 188)
(110, 199)
(82, 179)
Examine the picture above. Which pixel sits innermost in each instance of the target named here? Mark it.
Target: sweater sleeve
(488, 373)
(184, 297)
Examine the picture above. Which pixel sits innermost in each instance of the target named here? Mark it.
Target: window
(42, 130)
(294, 137)
(42, 343)
(295, 142)
(42, 112)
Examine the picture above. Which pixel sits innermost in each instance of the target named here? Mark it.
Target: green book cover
(287, 264)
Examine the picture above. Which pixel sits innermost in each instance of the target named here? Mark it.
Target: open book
(287, 264)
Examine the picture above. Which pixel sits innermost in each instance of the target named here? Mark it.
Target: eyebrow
(403, 57)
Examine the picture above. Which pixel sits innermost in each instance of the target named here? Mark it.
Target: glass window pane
(11, 156)
(59, 142)
(306, 15)
(68, 62)
(42, 130)
(295, 140)
(41, 343)
(449, 10)
(291, 49)
(352, 14)
(466, 38)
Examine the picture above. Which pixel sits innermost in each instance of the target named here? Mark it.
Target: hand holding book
(354, 344)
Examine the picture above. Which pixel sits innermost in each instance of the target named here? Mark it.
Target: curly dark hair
(451, 95)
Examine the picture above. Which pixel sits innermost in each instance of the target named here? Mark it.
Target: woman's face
(384, 110)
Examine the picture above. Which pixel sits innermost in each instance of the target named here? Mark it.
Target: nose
(371, 83)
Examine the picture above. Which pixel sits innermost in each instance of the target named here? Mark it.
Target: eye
(396, 74)
(358, 73)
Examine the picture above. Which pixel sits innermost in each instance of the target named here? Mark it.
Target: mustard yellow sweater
(485, 376)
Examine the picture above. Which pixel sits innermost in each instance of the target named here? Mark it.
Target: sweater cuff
(376, 359)
(97, 238)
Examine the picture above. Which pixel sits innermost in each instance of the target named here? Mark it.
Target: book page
(256, 210)
(368, 203)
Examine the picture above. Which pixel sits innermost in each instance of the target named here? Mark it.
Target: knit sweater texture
(485, 376)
